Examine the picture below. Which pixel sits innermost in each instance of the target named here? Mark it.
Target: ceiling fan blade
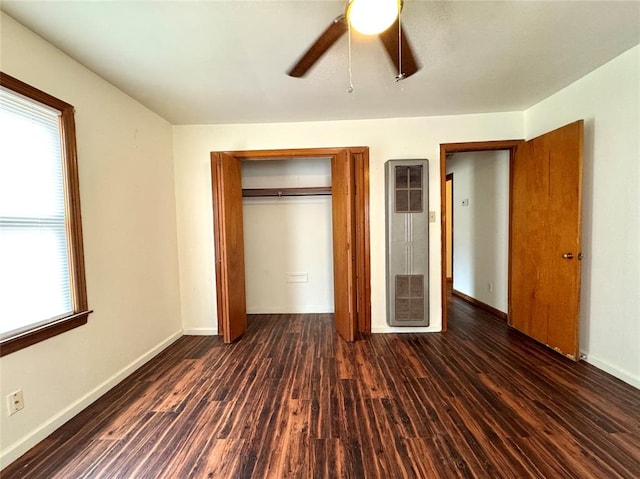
(390, 41)
(334, 31)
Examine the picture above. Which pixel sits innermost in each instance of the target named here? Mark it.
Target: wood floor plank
(189, 453)
(214, 463)
(292, 400)
(368, 371)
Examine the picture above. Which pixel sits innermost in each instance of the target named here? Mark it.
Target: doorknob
(568, 256)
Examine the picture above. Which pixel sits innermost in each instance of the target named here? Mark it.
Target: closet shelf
(303, 191)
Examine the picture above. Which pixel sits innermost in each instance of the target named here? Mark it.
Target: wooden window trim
(75, 251)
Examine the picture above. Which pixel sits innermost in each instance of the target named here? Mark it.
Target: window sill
(28, 338)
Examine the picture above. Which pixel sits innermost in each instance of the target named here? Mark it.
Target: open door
(344, 240)
(546, 208)
(226, 181)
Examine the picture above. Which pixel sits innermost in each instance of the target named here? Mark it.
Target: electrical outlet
(15, 402)
(432, 216)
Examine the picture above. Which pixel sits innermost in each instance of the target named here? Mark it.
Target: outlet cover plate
(15, 402)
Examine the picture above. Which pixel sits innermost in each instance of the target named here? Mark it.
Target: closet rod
(303, 191)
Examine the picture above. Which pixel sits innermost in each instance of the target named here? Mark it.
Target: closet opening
(349, 221)
(288, 236)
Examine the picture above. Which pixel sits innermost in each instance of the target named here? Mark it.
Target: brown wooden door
(344, 271)
(229, 245)
(546, 243)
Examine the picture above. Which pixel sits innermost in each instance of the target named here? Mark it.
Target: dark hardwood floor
(292, 400)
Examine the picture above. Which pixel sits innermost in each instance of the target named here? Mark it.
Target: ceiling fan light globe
(371, 17)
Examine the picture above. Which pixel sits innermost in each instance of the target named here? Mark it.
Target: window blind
(34, 259)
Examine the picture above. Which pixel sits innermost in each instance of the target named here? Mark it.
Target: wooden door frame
(448, 149)
(360, 205)
(447, 253)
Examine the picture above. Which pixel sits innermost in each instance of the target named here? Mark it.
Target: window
(42, 284)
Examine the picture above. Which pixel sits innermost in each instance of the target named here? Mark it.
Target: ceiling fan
(370, 17)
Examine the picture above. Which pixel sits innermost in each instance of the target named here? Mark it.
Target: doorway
(350, 216)
(478, 214)
(545, 235)
(447, 150)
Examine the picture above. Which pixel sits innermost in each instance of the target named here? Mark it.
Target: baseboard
(308, 309)
(18, 448)
(405, 329)
(479, 304)
(201, 332)
(614, 371)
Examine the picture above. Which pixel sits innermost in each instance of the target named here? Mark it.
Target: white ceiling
(211, 62)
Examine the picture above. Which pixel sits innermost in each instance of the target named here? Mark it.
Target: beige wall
(128, 217)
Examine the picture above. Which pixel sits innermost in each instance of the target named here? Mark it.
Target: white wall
(608, 99)
(387, 139)
(288, 235)
(130, 244)
(481, 229)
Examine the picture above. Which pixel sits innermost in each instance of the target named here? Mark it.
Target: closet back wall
(288, 240)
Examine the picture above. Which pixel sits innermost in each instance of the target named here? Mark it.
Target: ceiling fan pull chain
(399, 44)
(400, 73)
(350, 89)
